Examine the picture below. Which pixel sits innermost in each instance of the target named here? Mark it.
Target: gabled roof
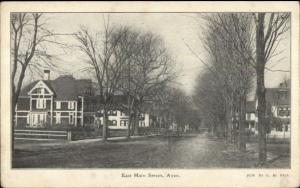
(64, 87)
(27, 88)
(44, 84)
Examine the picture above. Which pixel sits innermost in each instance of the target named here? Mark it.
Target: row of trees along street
(118, 58)
(122, 58)
(239, 46)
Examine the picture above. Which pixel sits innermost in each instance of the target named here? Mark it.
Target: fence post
(69, 135)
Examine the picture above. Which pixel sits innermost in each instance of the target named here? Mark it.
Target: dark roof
(23, 103)
(278, 96)
(119, 102)
(64, 87)
(250, 107)
(27, 88)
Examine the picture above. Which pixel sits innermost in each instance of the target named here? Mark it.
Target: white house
(52, 102)
(119, 120)
(67, 101)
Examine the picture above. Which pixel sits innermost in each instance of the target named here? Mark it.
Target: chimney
(46, 74)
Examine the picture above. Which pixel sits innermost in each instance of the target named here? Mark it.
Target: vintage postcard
(150, 94)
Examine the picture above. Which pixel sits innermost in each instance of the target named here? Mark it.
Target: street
(197, 151)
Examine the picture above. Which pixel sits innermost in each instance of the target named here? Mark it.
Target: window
(114, 112)
(279, 128)
(40, 90)
(71, 118)
(283, 112)
(58, 106)
(40, 103)
(114, 123)
(42, 118)
(286, 128)
(71, 105)
(123, 123)
(58, 121)
(288, 112)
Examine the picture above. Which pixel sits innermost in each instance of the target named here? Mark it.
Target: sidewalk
(109, 139)
(48, 145)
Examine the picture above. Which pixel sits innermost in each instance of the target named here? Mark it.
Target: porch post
(51, 112)
(30, 110)
(76, 114)
(82, 110)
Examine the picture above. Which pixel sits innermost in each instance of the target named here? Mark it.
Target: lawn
(191, 152)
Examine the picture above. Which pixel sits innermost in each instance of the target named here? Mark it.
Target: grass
(188, 152)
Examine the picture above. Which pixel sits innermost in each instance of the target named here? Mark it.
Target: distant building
(279, 106)
(251, 115)
(68, 101)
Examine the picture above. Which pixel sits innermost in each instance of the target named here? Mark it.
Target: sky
(176, 29)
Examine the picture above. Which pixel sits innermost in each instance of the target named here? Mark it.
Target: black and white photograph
(113, 90)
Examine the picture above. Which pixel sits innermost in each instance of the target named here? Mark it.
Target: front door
(38, 120)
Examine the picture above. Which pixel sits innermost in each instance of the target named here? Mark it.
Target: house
(48, 102)
(69, 101)
(279, 107)
(118, 119)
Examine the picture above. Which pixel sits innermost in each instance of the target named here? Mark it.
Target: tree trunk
(242, 122)
(234, 126)
(104, 128)
(260, 91)
(136, 124)
(228, 123)
(129, 127)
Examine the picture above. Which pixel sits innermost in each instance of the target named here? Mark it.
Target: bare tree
(269, 29)
(30, 36)
(232, 80)
(125, 52)
(172, 105)
(237, 35)
(151, 67)
(211, 102)
(107, 54)
(162, 101)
